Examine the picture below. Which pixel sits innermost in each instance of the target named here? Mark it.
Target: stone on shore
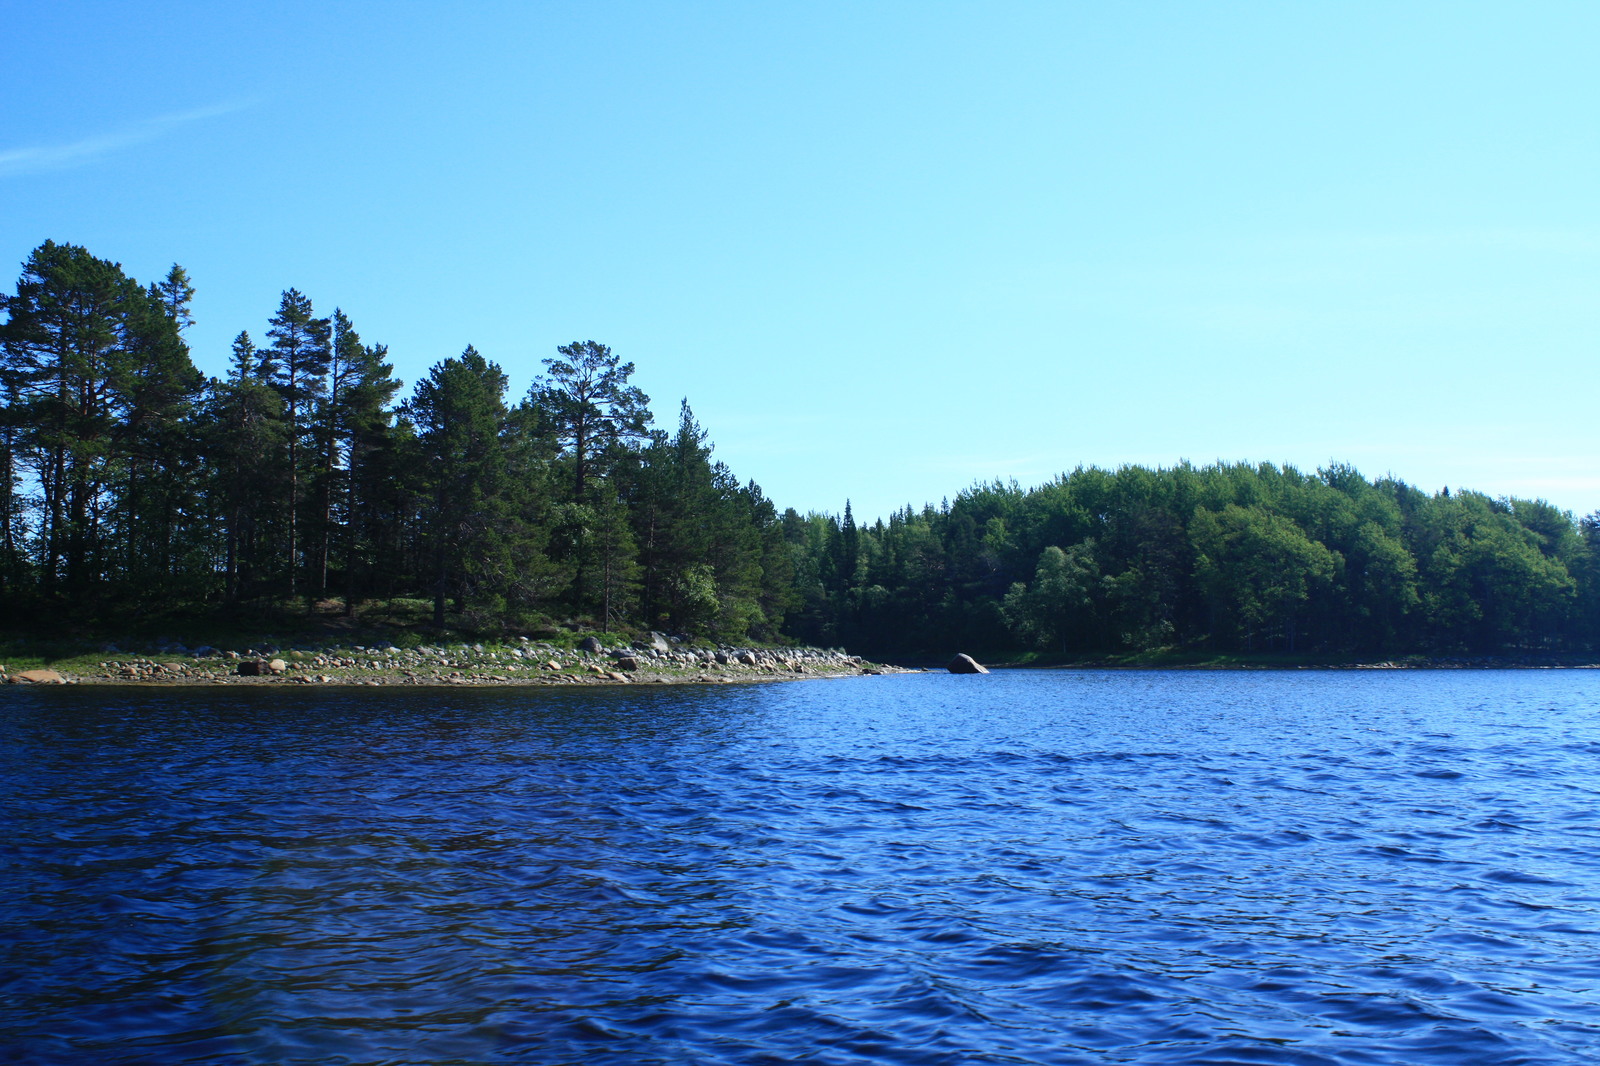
(37, 677)
(966, 664)
(536, 664)
(590, 645)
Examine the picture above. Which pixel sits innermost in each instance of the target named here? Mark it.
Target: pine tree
(367, 424)
(585, 404)
(351, 419)
(244, 439)
(460, 414)
(174, 293)
(298, 365)
(62, 358)
(589, 404)
(157, 454)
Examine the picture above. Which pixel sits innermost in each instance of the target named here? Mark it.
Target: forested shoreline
(1226, 558)
(136, 487)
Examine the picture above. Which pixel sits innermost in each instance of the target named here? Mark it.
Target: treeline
(132, 484)
(1231, 558)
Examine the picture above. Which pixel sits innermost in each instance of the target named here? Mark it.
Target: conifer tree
(174, 293)
(62, 357)
(298, 365)
(351, 418)
(460, 414)
(157, 453)
(244, 439)
(589, 405)
(586, 406)
(367, 426)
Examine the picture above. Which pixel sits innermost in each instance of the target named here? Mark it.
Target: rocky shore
(657, 660)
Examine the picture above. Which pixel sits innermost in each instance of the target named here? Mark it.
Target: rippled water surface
(1028, 867)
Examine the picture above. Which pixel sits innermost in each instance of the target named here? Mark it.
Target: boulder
(277, 666)
(966, 664)
(627, 662)
(657, 641)
(37, 677)
(748, 658)
(251, 668)
(590, 645)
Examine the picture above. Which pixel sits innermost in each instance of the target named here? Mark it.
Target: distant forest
(132, 486)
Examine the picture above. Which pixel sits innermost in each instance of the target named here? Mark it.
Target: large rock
(37, 677)
(966, 664)
(627, 662)
(251, 667)
(590, 645)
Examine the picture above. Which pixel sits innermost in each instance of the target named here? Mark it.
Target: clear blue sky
(885, 249)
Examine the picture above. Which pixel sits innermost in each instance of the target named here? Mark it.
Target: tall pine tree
(298, 364)
(460, 414)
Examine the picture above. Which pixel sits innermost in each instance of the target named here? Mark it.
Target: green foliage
(588, 406)
(97, 386)
(1257, 571)
(1228, 558)
(131, 487)
(468, 514)
(1057, 605)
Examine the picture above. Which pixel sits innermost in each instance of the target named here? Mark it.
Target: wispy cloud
(37, 159)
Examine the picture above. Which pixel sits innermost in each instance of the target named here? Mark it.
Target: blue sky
(885, 250)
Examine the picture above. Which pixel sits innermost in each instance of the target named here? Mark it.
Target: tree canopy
(131, 483)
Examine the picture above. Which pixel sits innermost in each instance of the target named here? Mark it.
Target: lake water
(1029, 867)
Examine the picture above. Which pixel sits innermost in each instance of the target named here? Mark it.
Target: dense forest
(1233, 558)
(132, 486)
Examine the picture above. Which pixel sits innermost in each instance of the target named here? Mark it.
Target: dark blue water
(1029, 867)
